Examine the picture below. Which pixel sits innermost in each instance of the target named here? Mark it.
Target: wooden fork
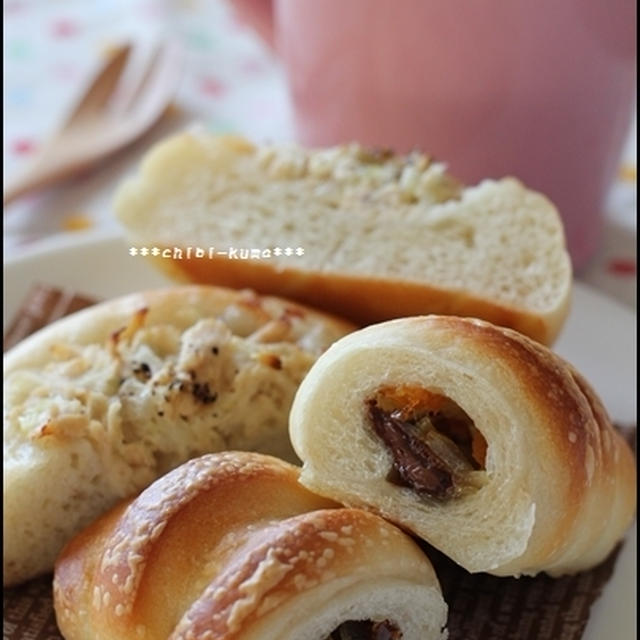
(114, 111)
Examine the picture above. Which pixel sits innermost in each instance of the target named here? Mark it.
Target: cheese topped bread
(103, 402)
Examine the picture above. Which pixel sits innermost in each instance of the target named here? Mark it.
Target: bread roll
(231, 546)
(383, 236)
(475, 438)
(100, 404)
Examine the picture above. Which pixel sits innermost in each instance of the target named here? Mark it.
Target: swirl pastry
(474, 437)
(231, 546)
(101, 403)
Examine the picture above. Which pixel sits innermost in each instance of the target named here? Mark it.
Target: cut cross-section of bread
(368, 235)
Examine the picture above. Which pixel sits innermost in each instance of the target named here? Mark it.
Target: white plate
(599, 338)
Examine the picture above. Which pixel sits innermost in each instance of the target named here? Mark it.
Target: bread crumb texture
(353, 210)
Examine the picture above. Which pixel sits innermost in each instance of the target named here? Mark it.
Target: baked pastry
(101, 403)
(231, 546)
(480, 441)
(380, 236)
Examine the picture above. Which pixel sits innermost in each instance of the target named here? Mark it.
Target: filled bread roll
(363, 233)
(230, 546)
(475, 438)
(101, 403)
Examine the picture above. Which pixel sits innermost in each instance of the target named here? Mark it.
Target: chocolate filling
(366, 630)
(436, 449)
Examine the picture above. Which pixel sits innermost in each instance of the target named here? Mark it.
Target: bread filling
(366, 630)
(436, 449)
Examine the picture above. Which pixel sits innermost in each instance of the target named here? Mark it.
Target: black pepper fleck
(143, 370)
(203, 393)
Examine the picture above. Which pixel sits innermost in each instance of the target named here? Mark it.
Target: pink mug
(540, 89)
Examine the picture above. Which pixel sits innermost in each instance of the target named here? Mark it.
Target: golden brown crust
(543, 375)
(214, 549)
(294, 555)
(569, 417)
(363, 300)
(122, 554)
(558, 491)
(75, 570)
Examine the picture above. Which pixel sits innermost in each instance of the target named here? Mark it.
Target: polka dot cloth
(231, 83)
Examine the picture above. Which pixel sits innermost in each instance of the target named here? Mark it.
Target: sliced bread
(362, 233)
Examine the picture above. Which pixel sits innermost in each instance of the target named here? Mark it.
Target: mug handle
(258, 14)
